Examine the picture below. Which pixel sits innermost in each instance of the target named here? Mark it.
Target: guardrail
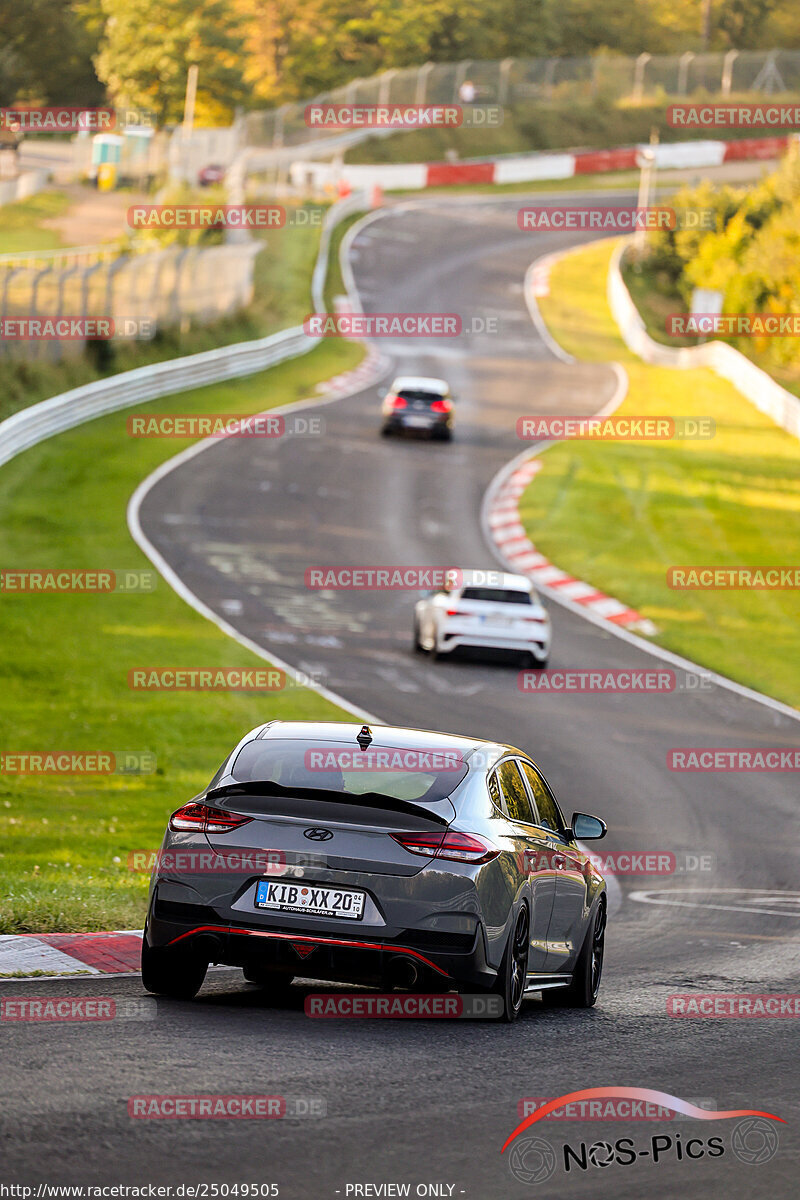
(334, 216)
(759, 387)
(43, 420)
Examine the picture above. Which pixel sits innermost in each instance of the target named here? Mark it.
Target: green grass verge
(64, 841)
(21, 227)
(281, 297)
(334, 283)
(619, 514)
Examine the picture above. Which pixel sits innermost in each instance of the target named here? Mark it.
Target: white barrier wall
(759, 387)
(27, 184)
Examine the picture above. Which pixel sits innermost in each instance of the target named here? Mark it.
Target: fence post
(421, 92)
(41, 351)
(727, 71)
(460, 76)
(385, 86)
(5, 345)
(547, 82)
(505, 71)
(638, 76)
(683, 71)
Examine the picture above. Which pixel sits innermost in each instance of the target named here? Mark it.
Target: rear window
(396, 772)
(497, 595)
(414, 394)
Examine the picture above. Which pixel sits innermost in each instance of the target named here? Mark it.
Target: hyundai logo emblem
(317, 835)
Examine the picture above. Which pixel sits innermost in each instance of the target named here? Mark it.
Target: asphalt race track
(431, 1102)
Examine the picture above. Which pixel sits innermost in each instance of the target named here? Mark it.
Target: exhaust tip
(403, 973)
(208, 945)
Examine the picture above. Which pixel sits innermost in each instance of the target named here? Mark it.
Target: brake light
(441, 406)
(455, 612)
(399, 402)
(202, 818)
(459, 847)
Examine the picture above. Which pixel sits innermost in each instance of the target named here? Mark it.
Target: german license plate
(316, 899)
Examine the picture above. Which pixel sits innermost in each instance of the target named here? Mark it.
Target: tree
(46, 55)
(147, 49)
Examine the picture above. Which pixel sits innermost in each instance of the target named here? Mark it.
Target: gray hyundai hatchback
(378, 856)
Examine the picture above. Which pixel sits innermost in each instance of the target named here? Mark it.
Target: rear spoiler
(441, 811)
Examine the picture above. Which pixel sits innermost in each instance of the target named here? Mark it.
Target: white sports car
(503, 614)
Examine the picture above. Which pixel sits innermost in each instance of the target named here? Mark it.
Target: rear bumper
(437, 960)
(438, 424)
(536, 643)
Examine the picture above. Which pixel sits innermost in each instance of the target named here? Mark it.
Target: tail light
(456, 612)
(460, 847)
(440, 406)
(202, 818)
(398, 402)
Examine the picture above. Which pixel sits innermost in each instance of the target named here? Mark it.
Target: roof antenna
(365, 737)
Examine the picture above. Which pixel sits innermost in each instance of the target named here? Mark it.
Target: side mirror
(587, 828)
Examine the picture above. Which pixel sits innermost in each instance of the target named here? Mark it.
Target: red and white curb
(528, 168)
(370, 370)
(112, 953)
(501, 518)
(518, 551)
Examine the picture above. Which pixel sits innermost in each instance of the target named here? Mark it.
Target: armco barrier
(759, 387)
(336, 213)
(32, 425)
(35, 424)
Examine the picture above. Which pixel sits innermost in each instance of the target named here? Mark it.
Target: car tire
(537, 664)
(443, 435)
(386, 431)
(173, 973)
(418, 647)
(582, 992)
(276, 981)
(512, 976)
